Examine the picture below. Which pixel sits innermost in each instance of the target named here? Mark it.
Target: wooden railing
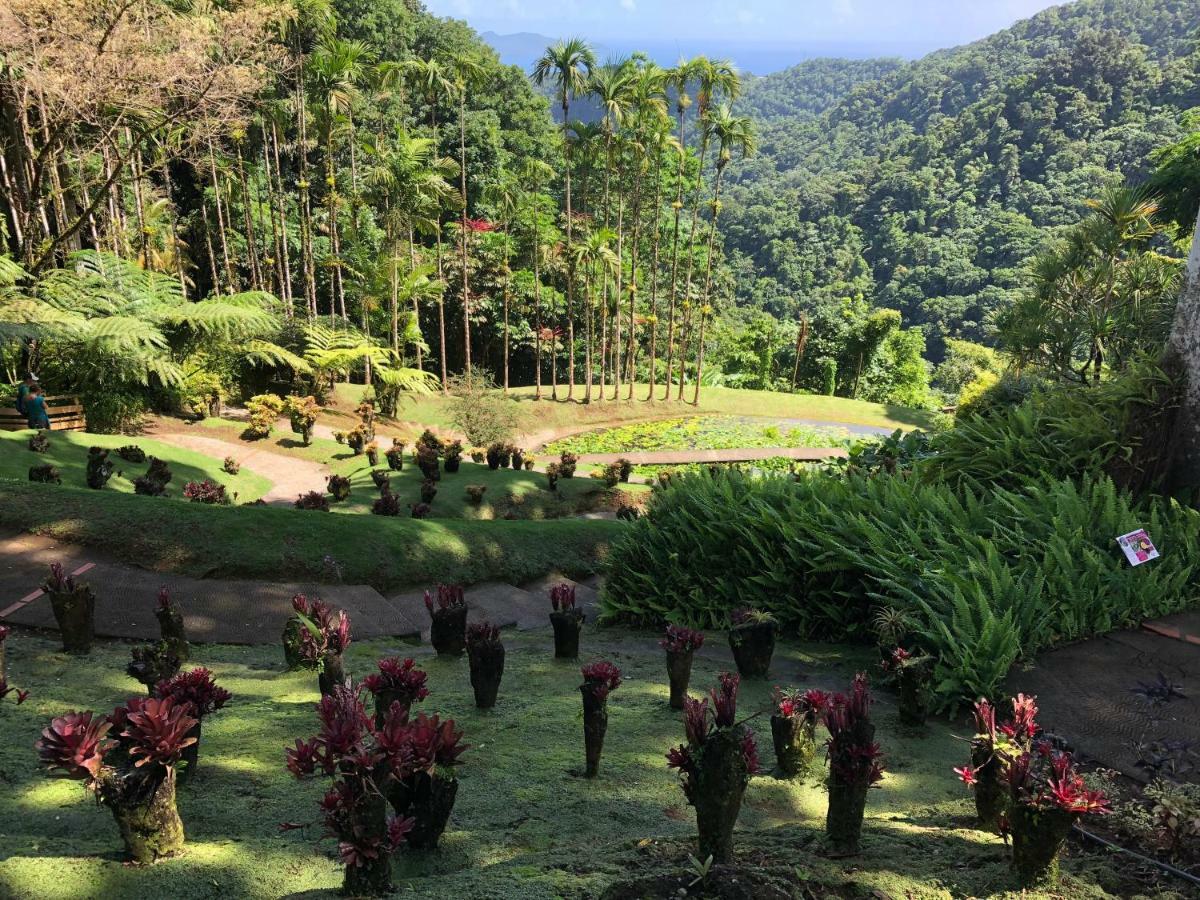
(66, 414)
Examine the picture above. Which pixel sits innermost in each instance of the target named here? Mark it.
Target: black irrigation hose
(1165, 867)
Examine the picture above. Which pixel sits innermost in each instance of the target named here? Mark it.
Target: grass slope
(538, 417)
(68, 451)
(525, 825)
(269, 543)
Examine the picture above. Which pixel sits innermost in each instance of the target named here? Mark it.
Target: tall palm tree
(468, 72)
(567, 65)
(595, 257)
(504, 196)
(534, 174)
(431, 79)
(336, 69)
(678, 81)
(734, 134)
(664, 143)
(714, 81)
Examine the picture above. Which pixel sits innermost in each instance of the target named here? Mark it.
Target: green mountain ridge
(927, 189)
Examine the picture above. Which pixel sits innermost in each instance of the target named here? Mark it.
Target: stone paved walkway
(241, 612)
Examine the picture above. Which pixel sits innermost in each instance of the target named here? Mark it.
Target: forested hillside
(927, 189)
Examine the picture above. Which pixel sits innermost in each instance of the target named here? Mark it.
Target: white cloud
(630, 5)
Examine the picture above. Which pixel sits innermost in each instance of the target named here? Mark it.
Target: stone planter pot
(448, 631)
(451, 464)
(74, 612)
(679, 673)
(1038, 837)
(191, 755)
(429, 799)
(291, 645)
(795, 743)
(913, 686)
(374, 878)
(753, 645)
(170, 627)
(567, 623)
(989, 791)
(332, 674)
(843, 821)
(487, 668)
(373, 457)
(595, 724)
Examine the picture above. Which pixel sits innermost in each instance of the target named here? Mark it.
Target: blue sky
(932, 22)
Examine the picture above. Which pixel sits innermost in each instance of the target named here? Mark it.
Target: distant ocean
(758, 58)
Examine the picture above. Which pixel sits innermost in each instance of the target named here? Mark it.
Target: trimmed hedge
(992, 577)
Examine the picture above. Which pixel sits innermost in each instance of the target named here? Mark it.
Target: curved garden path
(288, 475)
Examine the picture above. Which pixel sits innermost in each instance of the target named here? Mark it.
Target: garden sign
(1138, 547)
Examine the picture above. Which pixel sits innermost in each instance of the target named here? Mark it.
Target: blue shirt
(35, 409)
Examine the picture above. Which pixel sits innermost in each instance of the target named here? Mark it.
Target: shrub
(372, 451)
(99, 469)
(428, 491)
(478, 454)
(395, 455)
(338, 487)
(302, 414)
(611, 474)
(481, 412)
(427, 462)
(498, 456)
(154, 482)
(454, 452)
(421, 510)
(567, 463)
(231, 466)
(40, 442)
(990, 579)
(206, 491)
(388, 504)
(45, 474)
(264, 410)
(132, 453)
(475, 493)
(553, 473)
(313, 500)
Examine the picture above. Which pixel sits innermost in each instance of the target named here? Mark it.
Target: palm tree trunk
(335, 243)
(281, 204)
(1184, 348)
(631, 345)
(687, 289)
(654, 223)
(712, 234)
(678, 207)
(216, 183)
(570, 257)
(589, 300)
(462, 239)
(251, 245)
(442, 311)
(537, 314)
(616, 360)
(507, 293)
(412, 262)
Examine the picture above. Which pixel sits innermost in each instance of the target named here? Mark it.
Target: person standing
(23, 390)
(35, 408)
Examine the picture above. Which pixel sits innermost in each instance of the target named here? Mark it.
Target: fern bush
(990, 577)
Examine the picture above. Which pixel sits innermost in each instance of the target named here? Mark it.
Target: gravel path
(289, 476)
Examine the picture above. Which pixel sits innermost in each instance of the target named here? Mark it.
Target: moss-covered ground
(525, 824)
(69, 449)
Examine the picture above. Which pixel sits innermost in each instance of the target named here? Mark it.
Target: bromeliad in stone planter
(912, 673)
(74, 607)
(794, 726)
(992, 747)
(453, 461)
(302, 415)
(99, 469)
(681, 644)
(485, 653)
(752, 639)
(133, 776)
(366, 764)
(567, 620)
(599, 680)
(152, 663)
(315, 638)
(170, 625)
(715, 765)
(395, 455)
(855, 765)
(5, 687)
(202, 695)
(428, 790)
(398, 681)
(338, 487)
(448, 619)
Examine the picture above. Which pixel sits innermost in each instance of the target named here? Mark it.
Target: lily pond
(705, 433)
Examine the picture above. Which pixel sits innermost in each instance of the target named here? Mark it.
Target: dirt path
(288, 475)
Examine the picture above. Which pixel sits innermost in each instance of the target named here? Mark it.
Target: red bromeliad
(562, 597)
(449, 596)
(808, 705)
(196, 688)
(681, 640)
(601, 678)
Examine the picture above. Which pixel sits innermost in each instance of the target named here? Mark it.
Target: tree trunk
(570, 255)
(462, 238)
(654, 223)
(712, 234)
(678, 206)
(1184, 348)
(507, 294)
(620, 282)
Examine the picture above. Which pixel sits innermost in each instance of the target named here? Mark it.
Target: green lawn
(537, 417)
(273, 543)
(68, 451)
(525, 825)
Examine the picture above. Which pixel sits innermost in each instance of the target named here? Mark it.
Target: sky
(932, 23)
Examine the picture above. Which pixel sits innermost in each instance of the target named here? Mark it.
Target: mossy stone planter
(146, 814)
(795, 743)
(595, 724)
(487, 668)
(989, 791)
(374, 878)
(843, 821)
(429, 799)
(718, 788)
(912, 683)
(332, 674)
(1038, 836)
(448, 631)
(567, 624)
(291, 645)
(170, 627)
(190, 757)
(74, 611)
(753, 645)
(679, 673)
